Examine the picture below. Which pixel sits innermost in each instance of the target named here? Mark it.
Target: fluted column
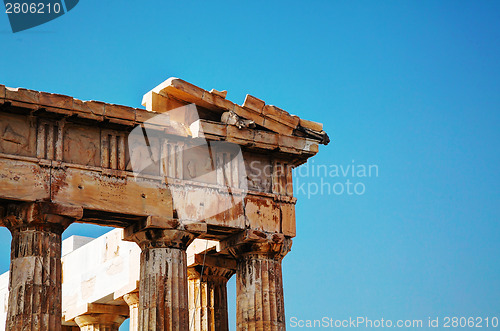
(35, 279)
(132, 300)
(259, 281)
(259, 299)
(35, 267)
(163, 287)
(100, 322)
(208, 298)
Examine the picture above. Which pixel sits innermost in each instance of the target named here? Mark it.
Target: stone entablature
(60, 149)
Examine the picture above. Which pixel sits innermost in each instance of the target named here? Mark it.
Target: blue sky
(410, 86)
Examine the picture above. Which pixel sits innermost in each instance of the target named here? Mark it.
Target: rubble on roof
(175, 92)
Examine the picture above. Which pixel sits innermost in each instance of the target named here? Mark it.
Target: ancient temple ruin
(200, 189)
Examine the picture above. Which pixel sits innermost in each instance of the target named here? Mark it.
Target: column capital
(39, 215)
(96, 309)
(210, 273)
(257, 244)
(162, 238)
(163, 232)
(99, 320)
(210, 267)
(131, 298)
(208, 295)
(96, 316)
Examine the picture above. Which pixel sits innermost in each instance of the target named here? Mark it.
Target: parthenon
(198, 187)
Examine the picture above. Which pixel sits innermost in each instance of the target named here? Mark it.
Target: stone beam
(64, 158)
(101, 272)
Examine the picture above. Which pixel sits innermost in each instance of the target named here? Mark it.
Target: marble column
(132, 300)
(163, 288)
(259, 284)
(35, 269)
(208, 298)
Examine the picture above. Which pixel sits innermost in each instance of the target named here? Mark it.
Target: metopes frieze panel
(259, 172)
(17, 135)
(84, 139)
